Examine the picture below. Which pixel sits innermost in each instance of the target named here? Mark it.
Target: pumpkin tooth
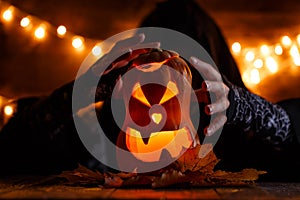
(145, 140)
(174, 173)
(180, 174)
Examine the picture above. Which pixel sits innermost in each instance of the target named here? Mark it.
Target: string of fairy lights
(40, 28)
(255, 63)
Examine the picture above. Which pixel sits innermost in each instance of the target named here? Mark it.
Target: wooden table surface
(33, 188)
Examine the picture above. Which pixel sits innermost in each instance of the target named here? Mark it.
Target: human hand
(119, 56)
(212, 84)
(125, 50)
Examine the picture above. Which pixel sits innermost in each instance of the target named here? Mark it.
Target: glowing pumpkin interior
(152, 105)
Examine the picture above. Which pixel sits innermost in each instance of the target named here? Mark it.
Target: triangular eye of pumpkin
(170, 92)
(139, 94)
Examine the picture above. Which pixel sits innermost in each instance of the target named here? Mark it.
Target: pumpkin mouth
(172, 141)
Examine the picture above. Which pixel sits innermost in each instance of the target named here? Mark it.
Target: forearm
(269, 121)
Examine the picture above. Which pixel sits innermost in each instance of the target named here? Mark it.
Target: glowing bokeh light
(294, 51)
(96, 51)
(264, 49)
(286, 41)
(254, 76)
(249, 56)
(7, 15)
(278, 50)
(296, 61)
(61, 30)
(8, 110)
(245, 77)
(298, 39)
(258, 63)
(271, 64)
(25, 22)
(77, 42)
(40, 32)
(236, 47)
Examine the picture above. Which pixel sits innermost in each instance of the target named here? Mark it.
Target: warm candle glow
(236, 47)
(139, 94)
(7, 15)
(271, 64)
(172, 141)
(61, 30)
(77, 42)
(250, 56)
(170, 92)
(40, 32)
(258, 63)
(25, 22)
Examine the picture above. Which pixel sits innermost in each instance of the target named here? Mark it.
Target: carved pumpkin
(157, 95)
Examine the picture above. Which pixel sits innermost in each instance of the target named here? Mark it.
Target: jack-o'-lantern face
(157, 107)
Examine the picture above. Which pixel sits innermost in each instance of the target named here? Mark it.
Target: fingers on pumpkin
(221, 92)
(218, 87)
(208, 71)
(132, 46)
(153, 56)
(216, 107)
(215, 125)
(134, 42)
(202, 96)
(129, 42)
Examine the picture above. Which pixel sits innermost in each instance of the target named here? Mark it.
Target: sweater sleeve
(268, 121)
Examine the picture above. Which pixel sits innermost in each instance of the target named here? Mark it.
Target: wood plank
(58, 192)
(244, 193)
(206, 193)
(20, 188)
(281, 190)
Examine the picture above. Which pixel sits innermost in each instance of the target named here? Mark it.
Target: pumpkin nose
(156, 117)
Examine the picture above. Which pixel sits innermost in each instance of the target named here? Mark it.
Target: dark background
(29, 67)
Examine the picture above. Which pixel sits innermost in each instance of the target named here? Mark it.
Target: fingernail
(208, 110)
(142, 37)
(205, 85)
(207, 131)
(158, 45)
(193, 60)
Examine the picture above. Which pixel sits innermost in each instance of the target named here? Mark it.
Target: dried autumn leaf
(113, 181)
(139, 181)
(168, 178)
(191, 160)
(83, 176)
(244, 175)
